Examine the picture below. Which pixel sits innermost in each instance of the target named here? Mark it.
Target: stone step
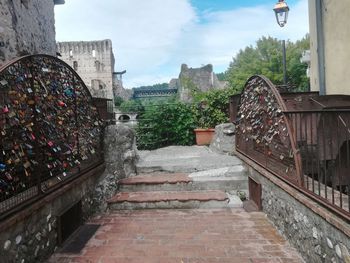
(172, 200)
(183, 182)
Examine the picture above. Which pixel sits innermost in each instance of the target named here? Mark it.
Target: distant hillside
(155, 86)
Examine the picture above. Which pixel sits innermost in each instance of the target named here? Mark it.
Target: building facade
(330, 49)
(93, 61)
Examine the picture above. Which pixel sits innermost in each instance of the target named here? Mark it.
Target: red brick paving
(184, 236)
(158, 196)
(157, 179)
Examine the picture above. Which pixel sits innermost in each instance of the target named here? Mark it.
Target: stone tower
(94, 62)
(201, 79)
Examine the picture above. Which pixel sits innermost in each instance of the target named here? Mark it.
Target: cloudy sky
(152, 38)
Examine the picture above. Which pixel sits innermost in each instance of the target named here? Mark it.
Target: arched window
(71, 53)
(94, 53)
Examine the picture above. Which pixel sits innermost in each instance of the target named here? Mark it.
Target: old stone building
(27, 27)
(201, 79)
(93, 61)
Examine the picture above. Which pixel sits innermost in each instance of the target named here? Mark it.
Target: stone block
(224, 139)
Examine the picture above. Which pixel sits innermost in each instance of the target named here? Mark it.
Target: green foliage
(221, 76)
(155, 86)
(266, 59)
(165, 124)
(118, 101)
(131, 106)
(211, 108)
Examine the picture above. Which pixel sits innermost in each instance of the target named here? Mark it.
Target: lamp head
(281, 11)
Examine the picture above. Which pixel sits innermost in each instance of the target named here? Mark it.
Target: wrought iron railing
(323, 139)
(302, 138)
(50, 129)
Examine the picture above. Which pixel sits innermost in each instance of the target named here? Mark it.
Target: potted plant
(206, 118)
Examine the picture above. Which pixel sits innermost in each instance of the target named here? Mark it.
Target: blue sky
(151, 39)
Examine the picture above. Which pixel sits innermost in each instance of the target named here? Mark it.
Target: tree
(266, 59)
(118, 101)
(132, 106)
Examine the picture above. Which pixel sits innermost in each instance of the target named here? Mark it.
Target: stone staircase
(214, 188)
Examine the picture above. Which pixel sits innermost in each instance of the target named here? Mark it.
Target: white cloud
(143, 32)
(224, 33)
(153, 38)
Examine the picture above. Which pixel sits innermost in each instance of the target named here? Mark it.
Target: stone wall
(30, 236)
(319, 236)
(93, 61)
(26, 27)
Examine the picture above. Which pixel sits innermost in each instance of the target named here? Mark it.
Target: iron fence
(49, 128)
(302, 138)
(323, 139)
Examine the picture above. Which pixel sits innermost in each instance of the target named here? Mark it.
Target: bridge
(147, 93)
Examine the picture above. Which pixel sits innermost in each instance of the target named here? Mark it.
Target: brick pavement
(183, 236)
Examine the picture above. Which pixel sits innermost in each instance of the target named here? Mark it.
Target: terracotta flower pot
(204, 136)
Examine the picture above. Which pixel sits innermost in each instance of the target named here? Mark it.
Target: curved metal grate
(49, 128)
(263, 132)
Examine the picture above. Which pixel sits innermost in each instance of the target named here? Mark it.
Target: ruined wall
(94, 62)
(26, 27)
(201, 79)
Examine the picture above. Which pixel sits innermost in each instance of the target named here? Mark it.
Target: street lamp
(281, 11)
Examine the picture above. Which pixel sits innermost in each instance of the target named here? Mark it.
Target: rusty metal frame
(292, 104)
(280, 106)
(45, 185)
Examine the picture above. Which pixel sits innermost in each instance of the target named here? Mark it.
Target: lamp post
(281, 11)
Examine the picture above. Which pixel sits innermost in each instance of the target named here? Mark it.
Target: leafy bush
(165, 124)
(118, 101)
(211, 108)
(131, 106)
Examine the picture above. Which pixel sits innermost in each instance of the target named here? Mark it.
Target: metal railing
(50, 129)
(302, 138)
(323, 139)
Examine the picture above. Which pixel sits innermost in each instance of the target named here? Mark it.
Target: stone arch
(124, 118)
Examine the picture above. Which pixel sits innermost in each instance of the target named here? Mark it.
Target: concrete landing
(185, 159)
